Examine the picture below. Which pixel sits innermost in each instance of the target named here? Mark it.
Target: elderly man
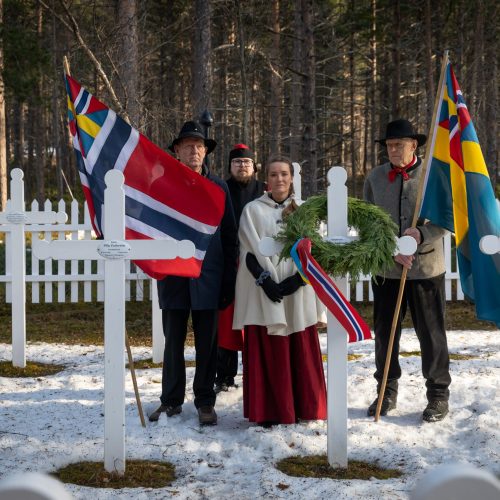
(393, 186)
(243, 187)
(201, 297)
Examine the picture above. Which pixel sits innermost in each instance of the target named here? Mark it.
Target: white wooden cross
(336, 334)
(15, 218)
(114, 250)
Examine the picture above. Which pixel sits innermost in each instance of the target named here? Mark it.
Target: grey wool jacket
(399, 198)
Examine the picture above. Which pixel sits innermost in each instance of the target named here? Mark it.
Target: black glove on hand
(226, 298)
(253, 265)
(272, 289)
(291, 284)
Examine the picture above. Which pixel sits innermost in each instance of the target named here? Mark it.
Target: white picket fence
(73, 281)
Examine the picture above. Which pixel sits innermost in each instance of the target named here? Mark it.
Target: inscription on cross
(13, 221)
(114, 250)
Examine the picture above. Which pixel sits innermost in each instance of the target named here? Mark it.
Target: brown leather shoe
(168, 409)
(207, 415)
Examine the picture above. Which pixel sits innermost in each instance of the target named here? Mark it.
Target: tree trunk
(38, 118)
(396, 61)
(276, 81)
(296, 84)
(309, 137)
(128, 55)
(202, 49)
(373, 84)
(3, 132)
(429, 66)
(243, 75)
(352, 97)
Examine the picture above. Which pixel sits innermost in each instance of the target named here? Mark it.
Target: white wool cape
(261, 218)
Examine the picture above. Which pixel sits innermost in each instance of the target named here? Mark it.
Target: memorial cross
(114, 250)
(14, 220)
(337, 227)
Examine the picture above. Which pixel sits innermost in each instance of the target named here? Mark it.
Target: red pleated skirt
(227, 337)
(283, 378)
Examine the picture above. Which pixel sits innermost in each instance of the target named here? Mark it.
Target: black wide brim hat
(193, 129)
(402, 129)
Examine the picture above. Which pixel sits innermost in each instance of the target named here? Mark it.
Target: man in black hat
(243, 187)
(199, 297)
(393, 186)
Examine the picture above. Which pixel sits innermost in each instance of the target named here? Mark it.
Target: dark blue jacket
(218, 272)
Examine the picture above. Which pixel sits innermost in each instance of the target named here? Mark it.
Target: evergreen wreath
(370, 254)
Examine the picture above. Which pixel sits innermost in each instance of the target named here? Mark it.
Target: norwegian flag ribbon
(328, 293)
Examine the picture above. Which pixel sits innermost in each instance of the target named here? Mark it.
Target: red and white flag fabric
(164, 199)
(328, 293)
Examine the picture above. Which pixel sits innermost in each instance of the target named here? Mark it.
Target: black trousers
(174, 369)
(426, 300)
(227, 366)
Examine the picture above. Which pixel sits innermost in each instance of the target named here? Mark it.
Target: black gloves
(272, 289)
(263, 278)
(226, 296)
(253, 265)
(291, 284)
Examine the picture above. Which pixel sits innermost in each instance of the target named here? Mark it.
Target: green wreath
(370, 254)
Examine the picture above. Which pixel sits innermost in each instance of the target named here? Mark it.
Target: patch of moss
(138, 474)
(462, 357)
(147, 364)
(350, 357)
(32, 369)
(317, 466)
(408, 354)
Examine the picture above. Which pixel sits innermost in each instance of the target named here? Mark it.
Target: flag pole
(427, 160)
(127, 343)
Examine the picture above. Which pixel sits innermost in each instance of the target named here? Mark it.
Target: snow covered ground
(48, 422)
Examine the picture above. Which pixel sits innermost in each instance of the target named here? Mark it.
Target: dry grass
(317, 466)
(138, 474)
(32, 369)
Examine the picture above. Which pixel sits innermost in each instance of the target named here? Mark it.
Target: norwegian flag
(328, 293)
(164, 199)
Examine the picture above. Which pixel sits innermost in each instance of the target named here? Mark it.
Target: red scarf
(401, 171)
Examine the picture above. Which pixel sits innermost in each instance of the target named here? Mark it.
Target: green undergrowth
(317, 466)
(138, 474)
(83, 322)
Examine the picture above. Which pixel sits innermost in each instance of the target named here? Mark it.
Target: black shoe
(221, 387)
(170, 410)
(207, 415)
(435, 411)
(388, 404)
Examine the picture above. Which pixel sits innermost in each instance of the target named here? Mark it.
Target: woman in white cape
(283, 378)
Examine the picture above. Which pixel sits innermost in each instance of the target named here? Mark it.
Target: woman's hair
(275, 158)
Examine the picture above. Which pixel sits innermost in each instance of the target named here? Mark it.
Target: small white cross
(114, 250)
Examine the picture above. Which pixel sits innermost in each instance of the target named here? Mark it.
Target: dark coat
(218, 272)
(241, 194)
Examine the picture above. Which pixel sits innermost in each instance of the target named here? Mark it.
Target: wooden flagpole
(427, 160)
(127, 343)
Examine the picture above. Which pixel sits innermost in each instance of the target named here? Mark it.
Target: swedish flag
(459, 197)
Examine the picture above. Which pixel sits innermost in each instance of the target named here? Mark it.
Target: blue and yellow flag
(459, 197)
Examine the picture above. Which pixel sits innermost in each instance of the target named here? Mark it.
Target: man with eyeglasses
(243, 188)
(393, 186)
(200, 297)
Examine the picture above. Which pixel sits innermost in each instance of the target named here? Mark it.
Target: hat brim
(420, 138)
(209, 143)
